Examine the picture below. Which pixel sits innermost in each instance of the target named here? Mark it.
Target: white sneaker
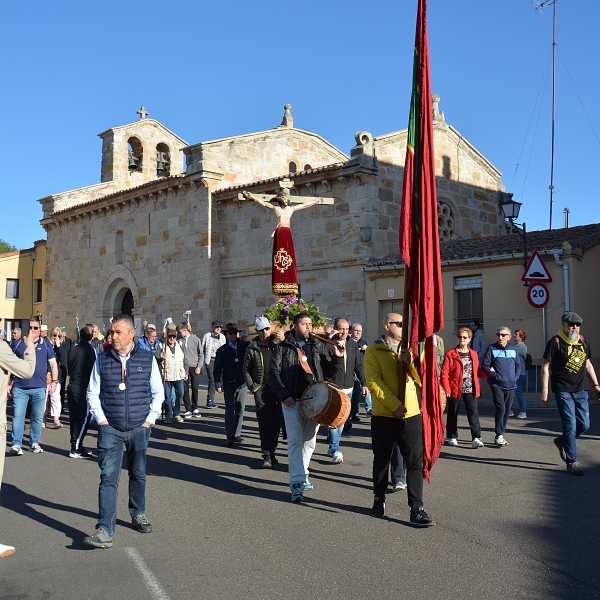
(74, 454)
(36, 448)
(476, 443)
(451, 442)
(337, 458)
(196, 414)
(500, 441)
(187, 415)
(522, 415)
(6, 551)
(16, 450)
(511, 414)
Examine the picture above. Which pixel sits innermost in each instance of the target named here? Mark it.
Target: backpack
(528, 361)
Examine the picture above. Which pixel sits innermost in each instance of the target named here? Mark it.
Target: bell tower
(140, 152)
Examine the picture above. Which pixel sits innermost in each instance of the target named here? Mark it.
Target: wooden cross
(288, 184)
(142, 112)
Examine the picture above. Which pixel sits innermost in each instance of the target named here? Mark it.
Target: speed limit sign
(537, 295)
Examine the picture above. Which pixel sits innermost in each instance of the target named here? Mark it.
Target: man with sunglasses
(395, 423)
(32, 390)
(569, 355)
(502, 366)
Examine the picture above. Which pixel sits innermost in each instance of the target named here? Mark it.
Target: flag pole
(404, 340)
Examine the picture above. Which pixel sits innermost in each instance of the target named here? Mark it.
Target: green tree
(6, 247)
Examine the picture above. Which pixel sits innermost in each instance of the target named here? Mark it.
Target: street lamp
(510, 210)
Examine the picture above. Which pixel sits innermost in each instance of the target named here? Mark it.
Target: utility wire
(533, 141)
(578, 96)
(542, 83)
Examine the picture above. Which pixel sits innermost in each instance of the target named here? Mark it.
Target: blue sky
(206, 70)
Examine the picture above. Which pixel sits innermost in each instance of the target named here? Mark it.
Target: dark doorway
(127, 304)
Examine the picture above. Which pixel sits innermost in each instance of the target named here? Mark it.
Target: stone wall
(259, 156)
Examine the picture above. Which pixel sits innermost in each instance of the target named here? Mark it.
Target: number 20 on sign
(538, 295)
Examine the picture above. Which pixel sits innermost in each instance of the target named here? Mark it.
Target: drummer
(343, 377)
(298, 361)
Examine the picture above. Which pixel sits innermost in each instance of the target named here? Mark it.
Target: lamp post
(510, 210)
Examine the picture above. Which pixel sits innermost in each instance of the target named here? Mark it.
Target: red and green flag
(419, 242)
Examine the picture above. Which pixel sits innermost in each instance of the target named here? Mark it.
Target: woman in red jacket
(459, 380)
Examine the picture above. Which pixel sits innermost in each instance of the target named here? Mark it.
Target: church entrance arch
(119, 294)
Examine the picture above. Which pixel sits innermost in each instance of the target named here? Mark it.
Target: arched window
(307, 167)
(163, 160)
(135, 154)
(293, 167)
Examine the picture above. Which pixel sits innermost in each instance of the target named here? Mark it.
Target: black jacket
(354, 364)
(285, 366)
(254, 369)
(228, 372)
(81, 361)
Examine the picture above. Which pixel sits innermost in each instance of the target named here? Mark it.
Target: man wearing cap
(172, 359)
(255, 370)
(230, 381)
(193, 361)
(211, 342)
(569, 354)
(44, 331)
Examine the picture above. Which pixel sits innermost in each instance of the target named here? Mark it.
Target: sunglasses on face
(34, 328)
(574, 324)
(397, 323)
(503, 334)
(172, 336)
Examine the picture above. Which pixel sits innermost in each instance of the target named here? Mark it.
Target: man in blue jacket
(502, 366)
(124, 396)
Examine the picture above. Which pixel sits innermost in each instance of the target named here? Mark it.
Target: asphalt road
(511, 523)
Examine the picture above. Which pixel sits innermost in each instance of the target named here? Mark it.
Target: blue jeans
(333, 437)
(519, 393)
(110, 457)
(38, 402)
(357, 396)
(173, 397)
(575, 416)
(503, 400)
(235, 404)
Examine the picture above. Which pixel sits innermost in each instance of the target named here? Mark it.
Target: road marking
(153, 585)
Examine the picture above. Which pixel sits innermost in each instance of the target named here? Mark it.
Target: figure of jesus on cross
(284, 277)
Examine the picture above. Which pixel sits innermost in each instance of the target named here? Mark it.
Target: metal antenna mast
(538, 5)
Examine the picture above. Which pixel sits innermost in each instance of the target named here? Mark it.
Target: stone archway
(119, 294)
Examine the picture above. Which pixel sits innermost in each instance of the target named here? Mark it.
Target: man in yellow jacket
(393, 422)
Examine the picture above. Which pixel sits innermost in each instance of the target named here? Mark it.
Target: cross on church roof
(142, 112)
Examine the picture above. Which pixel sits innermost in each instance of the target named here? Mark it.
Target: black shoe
(85, 452)
(230, 442)
(561, 449)
(141, 524)
(239, 439)
(274, 460)
(574, 469)
(378, 509)
(421, 518)
(347, 427)
(355, 419)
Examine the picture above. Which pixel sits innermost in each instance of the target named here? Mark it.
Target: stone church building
(165, 231)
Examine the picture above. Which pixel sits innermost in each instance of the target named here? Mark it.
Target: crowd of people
(124, 386)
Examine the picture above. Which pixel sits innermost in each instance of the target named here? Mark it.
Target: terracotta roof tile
(582, 237)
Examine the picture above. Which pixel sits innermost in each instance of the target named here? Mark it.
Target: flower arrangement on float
(283, 312)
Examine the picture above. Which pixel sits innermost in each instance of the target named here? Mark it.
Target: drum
(325, 404)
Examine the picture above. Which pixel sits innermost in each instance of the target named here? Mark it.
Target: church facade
(155, 238)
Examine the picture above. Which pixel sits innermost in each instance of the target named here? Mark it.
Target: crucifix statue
(284, 278)
(142, 112)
